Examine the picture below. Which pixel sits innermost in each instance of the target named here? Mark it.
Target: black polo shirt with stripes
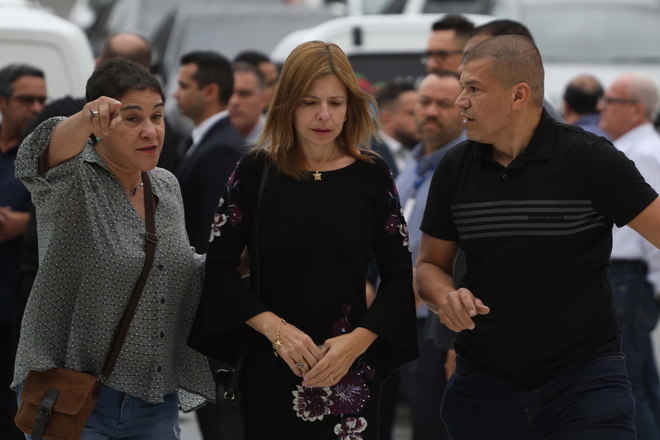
(537, 240)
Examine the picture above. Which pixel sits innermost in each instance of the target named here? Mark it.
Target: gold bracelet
(278, 343)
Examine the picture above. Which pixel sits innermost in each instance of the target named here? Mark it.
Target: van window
(382, 68)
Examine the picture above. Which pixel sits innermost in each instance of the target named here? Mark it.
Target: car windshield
(573, 33)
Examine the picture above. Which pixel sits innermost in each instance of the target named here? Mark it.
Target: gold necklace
(318, 176)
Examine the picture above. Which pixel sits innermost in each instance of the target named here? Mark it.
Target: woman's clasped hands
(324, 365)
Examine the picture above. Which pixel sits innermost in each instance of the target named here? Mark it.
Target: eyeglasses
(441, 54)
(30, 99)
(607, 100)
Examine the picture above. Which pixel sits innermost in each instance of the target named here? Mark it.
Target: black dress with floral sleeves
(315, 241)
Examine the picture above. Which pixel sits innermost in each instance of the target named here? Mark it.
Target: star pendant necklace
(318, 176)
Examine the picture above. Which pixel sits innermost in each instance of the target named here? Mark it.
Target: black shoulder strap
(255, 225)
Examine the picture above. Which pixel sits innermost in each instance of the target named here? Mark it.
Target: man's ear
(521, 94)
(264, 99)
(639, 113)
(385, 117)
(212, 91)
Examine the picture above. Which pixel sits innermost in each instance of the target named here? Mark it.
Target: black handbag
(231, 419)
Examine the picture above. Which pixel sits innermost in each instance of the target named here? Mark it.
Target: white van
(382, 48)
(33, 35)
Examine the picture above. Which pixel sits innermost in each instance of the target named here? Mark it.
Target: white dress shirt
(253, 136)
(400, 153)
(642, 146)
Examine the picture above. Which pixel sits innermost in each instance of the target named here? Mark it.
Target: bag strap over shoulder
(255, 224)
(150, 247)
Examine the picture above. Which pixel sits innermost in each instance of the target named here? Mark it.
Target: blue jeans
(119, 416)
(591, 402)
(638, 315)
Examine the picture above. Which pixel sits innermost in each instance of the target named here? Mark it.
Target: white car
(381, 47)
(33, 35)
(605, 38)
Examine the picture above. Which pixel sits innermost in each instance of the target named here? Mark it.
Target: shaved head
(514, 59)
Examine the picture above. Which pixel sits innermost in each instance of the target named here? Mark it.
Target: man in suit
(206, 84)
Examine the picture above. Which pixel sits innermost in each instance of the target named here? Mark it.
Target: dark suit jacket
(203, 176)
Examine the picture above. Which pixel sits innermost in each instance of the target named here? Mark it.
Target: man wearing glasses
(444, 49)
(22, 97)
(627, 111)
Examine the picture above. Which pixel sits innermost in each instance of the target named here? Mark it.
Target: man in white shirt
(627, 111)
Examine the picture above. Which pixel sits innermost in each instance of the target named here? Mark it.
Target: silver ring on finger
(93, 113)
(300, 365)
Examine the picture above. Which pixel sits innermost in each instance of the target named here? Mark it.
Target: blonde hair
(307, 63)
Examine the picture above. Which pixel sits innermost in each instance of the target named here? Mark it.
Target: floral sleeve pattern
(231, 213)
(395, 221)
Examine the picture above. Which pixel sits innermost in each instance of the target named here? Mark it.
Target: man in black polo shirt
(531, 202)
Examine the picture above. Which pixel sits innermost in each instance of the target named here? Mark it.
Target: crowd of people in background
(512, 212)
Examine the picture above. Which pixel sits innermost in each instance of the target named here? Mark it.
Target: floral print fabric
(344, 399)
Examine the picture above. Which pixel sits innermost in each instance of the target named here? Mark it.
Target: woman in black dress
(328, 206)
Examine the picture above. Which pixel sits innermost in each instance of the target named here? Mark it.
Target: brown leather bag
(57, 402)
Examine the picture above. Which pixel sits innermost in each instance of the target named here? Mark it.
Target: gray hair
(644, 90)
(245, 67)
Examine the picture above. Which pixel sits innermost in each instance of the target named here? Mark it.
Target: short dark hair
(12, 72)
(212, 68)
(117, 76)
(245, 67)
(252, 56)
(496, 28)
(456, 22)
(583, 93)
(391, 92)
